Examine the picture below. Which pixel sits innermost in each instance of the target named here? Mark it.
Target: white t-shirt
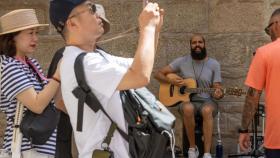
(103, 76)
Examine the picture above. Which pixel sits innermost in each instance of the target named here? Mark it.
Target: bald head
(273, 25)
(197, 36)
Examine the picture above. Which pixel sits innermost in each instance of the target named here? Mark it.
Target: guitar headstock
(235, 91)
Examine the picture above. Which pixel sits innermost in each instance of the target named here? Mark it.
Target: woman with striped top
(22, 78)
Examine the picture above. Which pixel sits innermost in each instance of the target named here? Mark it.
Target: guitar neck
(199, 90)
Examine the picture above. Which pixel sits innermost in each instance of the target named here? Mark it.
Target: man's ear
(71, 24)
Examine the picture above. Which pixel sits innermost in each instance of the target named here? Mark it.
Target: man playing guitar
(206, 72)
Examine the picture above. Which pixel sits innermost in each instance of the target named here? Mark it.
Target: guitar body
(170, 95)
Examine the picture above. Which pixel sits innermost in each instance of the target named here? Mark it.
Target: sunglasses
(91, 9)
(267, 29)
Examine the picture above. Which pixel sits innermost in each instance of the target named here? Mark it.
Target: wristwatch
(241, 130)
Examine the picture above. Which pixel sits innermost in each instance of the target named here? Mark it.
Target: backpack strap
(85, 95)
(82, 91)
(107, 140)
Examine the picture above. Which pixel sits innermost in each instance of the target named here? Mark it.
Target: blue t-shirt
(17, 77)
(205, 72)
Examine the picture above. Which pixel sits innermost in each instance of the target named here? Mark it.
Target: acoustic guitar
(170, 95)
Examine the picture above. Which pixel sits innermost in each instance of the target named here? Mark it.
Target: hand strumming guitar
(175, 80)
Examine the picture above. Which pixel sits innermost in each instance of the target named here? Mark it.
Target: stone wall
(233, 30)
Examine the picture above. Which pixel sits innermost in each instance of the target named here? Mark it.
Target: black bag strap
(54, 62)
(107, 140)
(82, 91)
(84, 94)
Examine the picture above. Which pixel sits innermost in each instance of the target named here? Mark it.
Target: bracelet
(56, 79)
(240, 130)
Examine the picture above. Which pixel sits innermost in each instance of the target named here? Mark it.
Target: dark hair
(276, 12)
(7, 44)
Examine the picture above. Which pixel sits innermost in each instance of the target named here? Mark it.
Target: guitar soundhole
(182, 90)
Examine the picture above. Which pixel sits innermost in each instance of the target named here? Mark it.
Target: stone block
(233, 122)
(229, 146)
(175, 45)
(21, 3)
(274, 3)
(230, 50)
(178, 127)
(234, 51)
(230, 107)
(185, 16)
(236, 16)
(124, 47)
(3, 127)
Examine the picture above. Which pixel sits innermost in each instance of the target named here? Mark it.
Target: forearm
(217, 85)
(160, 76)
(250, 107)
(48, 93)
(59, 104)
(37, 102)
(145, 53)
(156, 39)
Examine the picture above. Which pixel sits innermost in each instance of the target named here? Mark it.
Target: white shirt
(103, 76)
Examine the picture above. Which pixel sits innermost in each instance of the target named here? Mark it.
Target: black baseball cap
(60, 10)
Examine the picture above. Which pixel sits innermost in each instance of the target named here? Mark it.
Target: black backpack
(150, 124)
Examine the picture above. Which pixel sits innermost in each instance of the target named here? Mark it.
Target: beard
(198, 55)
(273, 37)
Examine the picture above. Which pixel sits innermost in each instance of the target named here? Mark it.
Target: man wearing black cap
(81, 27)
(64, 128)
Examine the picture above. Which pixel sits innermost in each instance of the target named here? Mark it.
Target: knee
(207, 111)
(188, 109)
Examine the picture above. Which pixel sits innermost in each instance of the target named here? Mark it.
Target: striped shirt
(17, 77)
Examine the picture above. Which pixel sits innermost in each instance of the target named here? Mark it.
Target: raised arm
(138, 75)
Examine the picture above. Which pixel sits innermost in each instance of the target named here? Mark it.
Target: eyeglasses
(267, 29)
(91, 9)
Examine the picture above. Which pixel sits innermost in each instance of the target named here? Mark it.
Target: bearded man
(206, 72)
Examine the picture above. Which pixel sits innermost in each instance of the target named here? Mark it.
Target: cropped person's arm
(249, 110)
(250, 106)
